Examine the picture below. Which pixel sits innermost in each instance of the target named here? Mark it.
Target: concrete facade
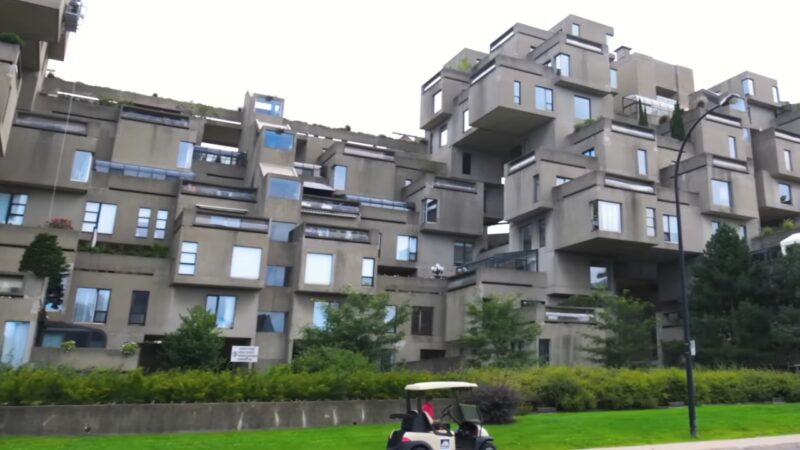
(263, 219)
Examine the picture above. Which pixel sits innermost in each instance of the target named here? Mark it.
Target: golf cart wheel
(488, 446)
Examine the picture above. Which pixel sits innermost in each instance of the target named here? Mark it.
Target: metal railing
(526, 260)
(343, 234)
(329, 207)
(212, 155)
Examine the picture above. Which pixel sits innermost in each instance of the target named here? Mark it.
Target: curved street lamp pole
(687, 331)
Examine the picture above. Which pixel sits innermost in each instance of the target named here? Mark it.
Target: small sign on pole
(692, 348)
(244, 354)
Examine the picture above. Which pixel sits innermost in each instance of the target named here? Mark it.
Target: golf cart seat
(415, 422)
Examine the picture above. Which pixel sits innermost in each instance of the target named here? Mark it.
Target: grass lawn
(544, 431)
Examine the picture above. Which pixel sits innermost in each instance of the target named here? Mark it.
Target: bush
(788, 224)
(328, 358)
(497, 404)
(11, 38)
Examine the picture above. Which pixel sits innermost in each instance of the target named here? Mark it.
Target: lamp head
(730, 99)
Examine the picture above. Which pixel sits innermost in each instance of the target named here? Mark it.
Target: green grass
(542, 431)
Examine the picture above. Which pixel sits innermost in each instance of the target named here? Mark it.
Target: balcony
(135, 170)
(329, 207)
(215, 156)
(657, 107)
(526, 260)
(336, 234)
(438, 97)
(232, 223)
(38, 20)
(207, 190)
(157, 117)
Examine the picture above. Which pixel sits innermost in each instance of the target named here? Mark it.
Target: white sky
(362, 62)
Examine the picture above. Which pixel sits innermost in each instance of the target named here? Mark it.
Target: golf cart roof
(437, 385)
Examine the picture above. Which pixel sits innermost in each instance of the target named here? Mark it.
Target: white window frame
(641, 161)
(650, 222)
(185, 155)
(368, 272)
(97, 215)
(187, 262)
(143, 223)
(443, 136)
(603, 216)
(726, 200)
(437, 101)
(161, 224)
(213, 306)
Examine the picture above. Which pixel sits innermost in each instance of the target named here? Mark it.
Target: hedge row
(570, 389)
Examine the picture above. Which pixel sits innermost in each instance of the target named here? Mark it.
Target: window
(462, 253)
(787, 160)
(368, 272)
(12, 208)
(465, 120)
(466, 163)
(283, 188)
(738, 104)
(15, 342)
(583, 108)
(612, 73)
(320, 316)
(81, 166)
(188, 261)
(279, 140)
(527, 237)
(747, 87)
(721, 191)
(138, 313)
(650, 221)
(746, 134)
(422, 320)
(542, 233)
(562, 64)
(443, 136)
(544, 98)
(280, 231)
(100, 217)
(536, 188)
(340, 177)
(185, 151)
(391, 313)
(732, 147)
(161, 224)
(607, 216)
(425, 354)
(670, 226)
(430, 207)
(143, 222)
(517, 92)
(714, 227)
(742, 232)
(437, 102)
(91, 305)
(591, 153)
(319, 269)
(278, 276)
(544, 350)
(562, 180)
(271, 322)
(641, 161)
(785, 193)
(407, 182)
(576, 29)
(246, 263)
(406, 248)
(223, 307)
(776, 96)
(269, 106)
(598, 277)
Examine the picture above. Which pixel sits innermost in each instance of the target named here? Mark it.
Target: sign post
(244, 354)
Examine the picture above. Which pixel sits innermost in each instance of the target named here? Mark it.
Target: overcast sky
(362, 63)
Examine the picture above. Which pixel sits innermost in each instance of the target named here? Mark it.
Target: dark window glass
(280, 141)
(278, 276)
(466, 163)
(271, 322)
(138, 313)
(422, 320)
(280, 231)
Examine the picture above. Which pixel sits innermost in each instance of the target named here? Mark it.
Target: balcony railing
(526, 260)
(218, 191)
(134, 170)
(381, 203)
(652, 106)
(329, 207)
(156, 117)
(212, 155)
(344, 234)
(577, 315)
(237, 223)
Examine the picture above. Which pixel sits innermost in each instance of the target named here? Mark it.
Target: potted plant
(61, 223)
(129, 348)
(10, 44)
(67, 345)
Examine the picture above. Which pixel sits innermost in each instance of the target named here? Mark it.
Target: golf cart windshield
(469, 413)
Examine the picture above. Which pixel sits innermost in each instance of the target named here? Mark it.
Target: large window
(99, 216)
(517, 92)
(583, 108)
(406, 248)
(776, 95)
(437, 102)
(422, 320)
(544, 98)
(319, 269)
(732, 147)
(15, 342)
(714, 227)
(91, 305)
(283, 188)
(223, 307)
(430, 207)
(246, 262)
(320, 316)
(641, 161)
(161, 224)
(188, 261)
(536, 187)
(368, 272)
(271, 322)
(185, 151)
(81, 166)
(721, 191)
(607, 216)
(443, 136)
(143, 222)
(280, 231)
(785, 193)
(278, 276)
(12, 208)
(598, 277)
(138, 312)
(747, 87)
(465, 120)
(562, 64)
(279, 140)
(340, 178)
(650, 221)
(269, 105)
(462, 253)
(670, 226)
(787, 160)
(613, 77)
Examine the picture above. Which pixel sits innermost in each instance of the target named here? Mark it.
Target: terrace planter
(9, 53)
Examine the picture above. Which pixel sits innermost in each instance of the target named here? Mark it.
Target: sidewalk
(788, 442)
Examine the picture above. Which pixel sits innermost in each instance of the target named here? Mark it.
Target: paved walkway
(789, 442)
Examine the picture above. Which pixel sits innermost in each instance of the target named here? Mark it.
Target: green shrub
(497, 404)
(11, 38)
(788, 224)
(328, 358)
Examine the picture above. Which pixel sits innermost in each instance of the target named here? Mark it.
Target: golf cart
(419, 431)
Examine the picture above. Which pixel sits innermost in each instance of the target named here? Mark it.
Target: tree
(45, 259)
(643, 115)
(339, 360)
(362, 324)
(196, 344)
(498, 335)
(627, 325)
(676, 127)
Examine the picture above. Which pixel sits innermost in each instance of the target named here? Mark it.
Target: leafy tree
(627, 325)
(45, 259)
(196, 344)
(676, 127)
(498, 335)
(360, 324)
(319, 359)
(643, 115)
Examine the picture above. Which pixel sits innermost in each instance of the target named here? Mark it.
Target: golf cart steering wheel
(446, 412)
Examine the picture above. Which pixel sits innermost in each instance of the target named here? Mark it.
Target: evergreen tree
(676, 127)
(498, 335)
(196, 344)
(643, 115)
(45, 259)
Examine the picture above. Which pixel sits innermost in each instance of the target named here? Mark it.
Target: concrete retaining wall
(171, 418)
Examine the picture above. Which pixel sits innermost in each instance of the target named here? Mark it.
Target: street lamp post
(723, 100)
